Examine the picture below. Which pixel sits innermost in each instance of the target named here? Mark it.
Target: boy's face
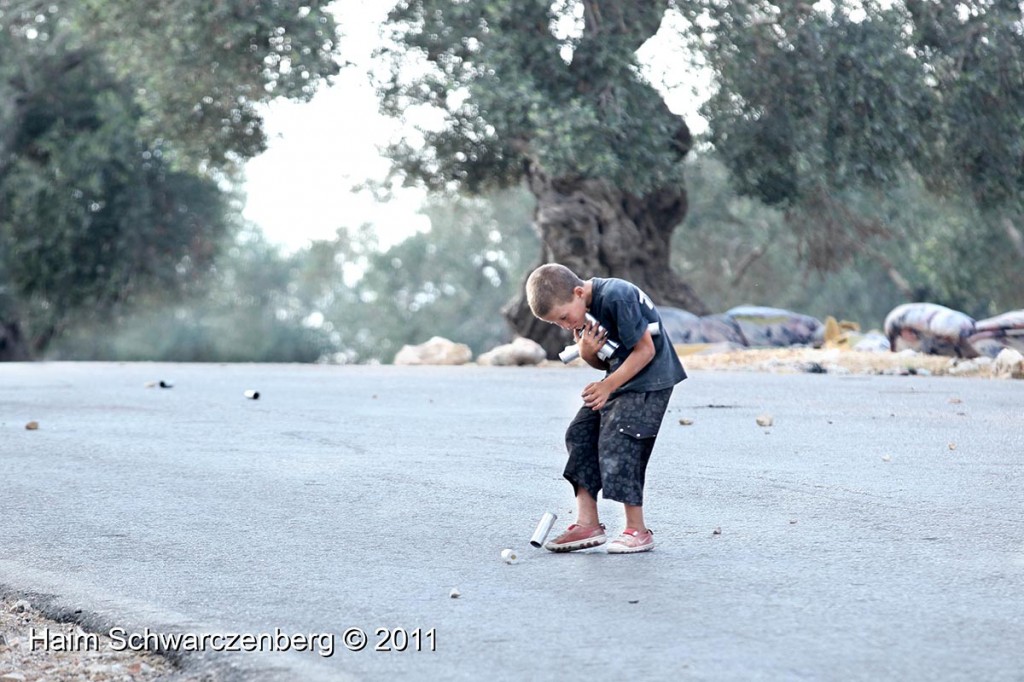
(571, 315)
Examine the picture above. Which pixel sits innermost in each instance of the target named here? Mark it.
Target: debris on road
(21, 661)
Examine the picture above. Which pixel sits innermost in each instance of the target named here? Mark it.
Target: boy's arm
(595, 362)
(595, 395)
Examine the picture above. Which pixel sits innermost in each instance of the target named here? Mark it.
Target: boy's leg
(586, 508)
(628, 432)
(635, 537)
(583, 472)
(582, 469)
(635, 517)
(587, 532)
(629, 427)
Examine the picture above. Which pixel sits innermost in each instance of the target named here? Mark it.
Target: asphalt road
(874, 531)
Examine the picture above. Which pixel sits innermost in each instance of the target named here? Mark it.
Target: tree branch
(894, 275)
(747, 261)
(1014, 235)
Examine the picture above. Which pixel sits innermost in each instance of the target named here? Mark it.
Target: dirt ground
(24, 658)
(831, 360)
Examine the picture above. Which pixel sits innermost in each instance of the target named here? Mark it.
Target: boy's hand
(590, 339)
(595, 395)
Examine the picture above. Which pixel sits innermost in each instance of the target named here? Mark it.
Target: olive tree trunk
(598, 231)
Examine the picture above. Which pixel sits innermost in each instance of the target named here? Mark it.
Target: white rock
(436, 351)
(1009, 364)
(970, 367)
(521, 351)
(873, 342)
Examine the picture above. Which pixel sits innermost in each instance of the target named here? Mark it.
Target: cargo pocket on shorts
(638, 431)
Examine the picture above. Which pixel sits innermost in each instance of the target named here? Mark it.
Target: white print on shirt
(644, 298)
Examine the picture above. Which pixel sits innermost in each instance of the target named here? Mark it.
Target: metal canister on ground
(543, 528)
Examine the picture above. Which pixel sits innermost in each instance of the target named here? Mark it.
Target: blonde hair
(550, 285)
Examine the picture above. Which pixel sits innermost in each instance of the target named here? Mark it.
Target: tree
(251, 307)
(450, 281)
(340, 300)
(117, 121)
(571, 114)
(818, 110)
(749, 256)
(90, 215)
(200, 69)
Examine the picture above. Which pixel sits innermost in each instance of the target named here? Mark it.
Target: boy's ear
(578, 291)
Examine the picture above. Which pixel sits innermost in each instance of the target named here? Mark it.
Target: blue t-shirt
(626, 311)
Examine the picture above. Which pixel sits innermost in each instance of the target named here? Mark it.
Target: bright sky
(302, 187)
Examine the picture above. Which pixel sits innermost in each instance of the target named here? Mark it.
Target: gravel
(24, 659)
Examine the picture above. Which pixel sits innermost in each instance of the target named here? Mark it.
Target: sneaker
(632, 541)
(577, 537)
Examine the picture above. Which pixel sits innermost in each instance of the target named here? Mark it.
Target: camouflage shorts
(609, 449)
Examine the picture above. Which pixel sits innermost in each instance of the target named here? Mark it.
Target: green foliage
(117, 120)
(200, 69)
(811, 100)
(342, 300)
(245, 310)
(509, 92)
(880, 142)
(737, 250)
(820, 111)
(450, 282)
(979, 67)
(89, 214)
(345, 300)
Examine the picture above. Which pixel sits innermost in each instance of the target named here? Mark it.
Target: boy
(611, 438)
